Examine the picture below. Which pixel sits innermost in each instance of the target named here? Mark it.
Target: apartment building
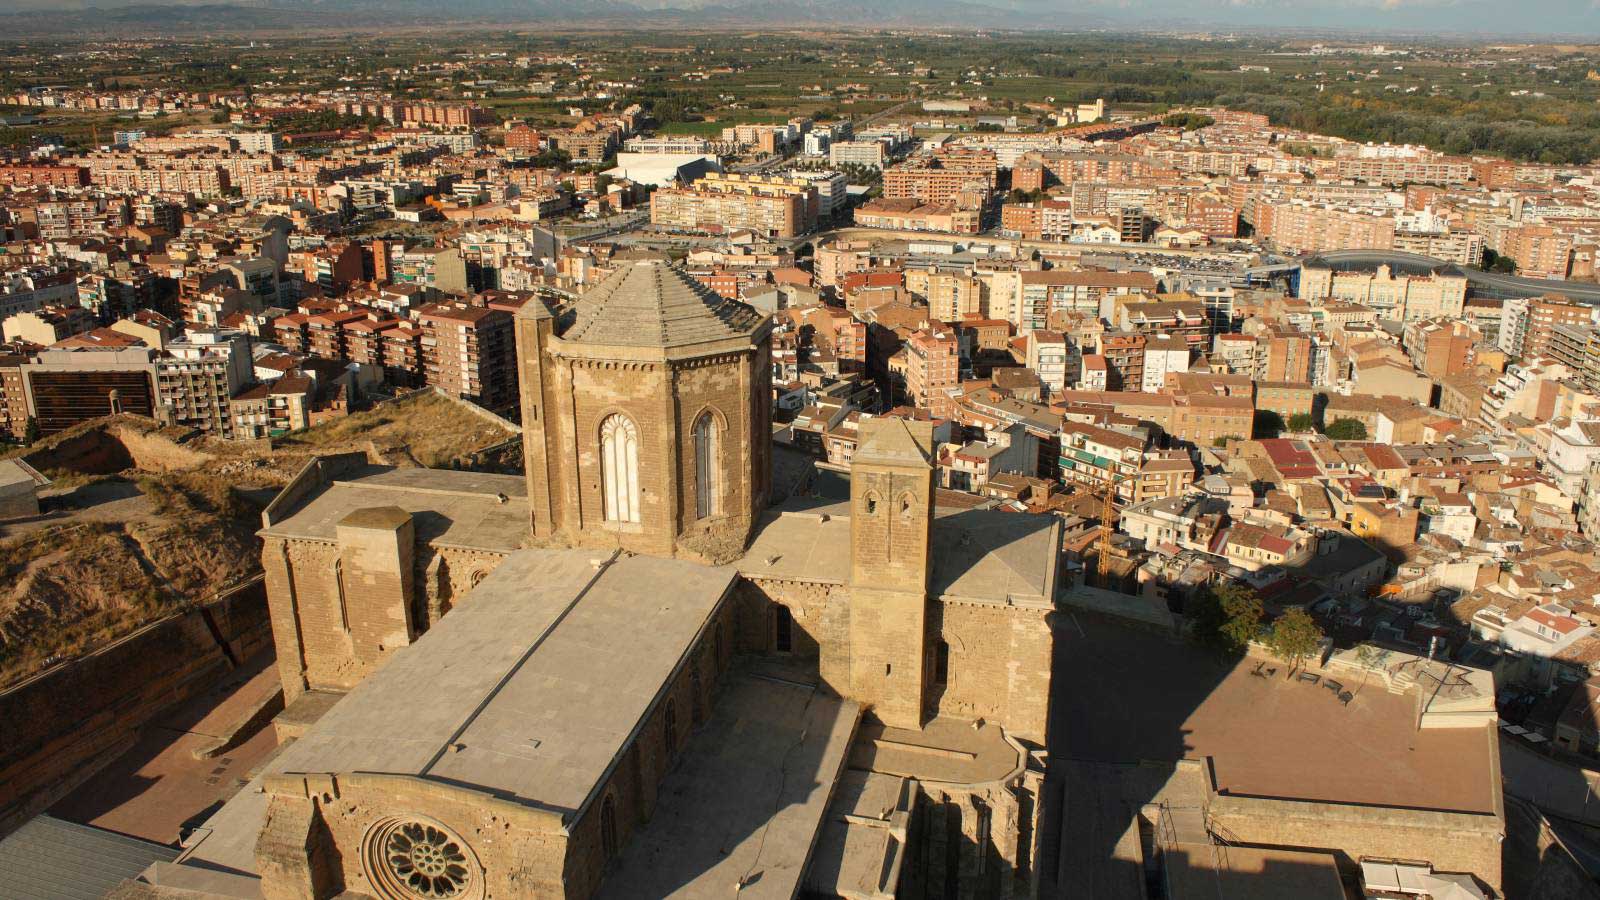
(47, 325)
(1028, 298)
(199, 374)
(1441, 347)
(1404, 170)
(1299, 226)
(1051, 358)
(43, 175)
(858, 153)
(1578, 348)
(914, 215)
(945, 177)
(771, 207)
(469, 352)
(1035, 171)
(1047, 220)
(1527, 325)
(1163, 354)
(1540, 251)
(933, 368)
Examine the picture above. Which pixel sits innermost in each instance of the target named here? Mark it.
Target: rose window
(413, 858)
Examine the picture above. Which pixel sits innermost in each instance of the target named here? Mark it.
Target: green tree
(30, 432)
(1294, 638)
(1301, 422)
(1188, 121)
(1494, 262)
(1268, 424)
(1225, 617)
(1346, 430)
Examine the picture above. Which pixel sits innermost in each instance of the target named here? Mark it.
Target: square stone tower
(891, 530)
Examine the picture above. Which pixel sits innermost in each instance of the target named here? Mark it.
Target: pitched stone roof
(650, 304)
(896, 442)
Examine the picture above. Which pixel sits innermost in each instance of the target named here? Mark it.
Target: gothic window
(941, 664)
(608, 828)
(782, 629)
(707, 468)
(696, 686)
(338, 586)
(670, 732)
(619, 468)
(872, 504)
(906, 506)
(419, 859)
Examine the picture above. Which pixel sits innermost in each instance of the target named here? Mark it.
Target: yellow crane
(1108, 516)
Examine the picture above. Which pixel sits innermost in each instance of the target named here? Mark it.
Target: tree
(1294, 638)
(1268, 424)
(1301, 422)
(1346, 430)
(1225, 617)
(1494, 262)
(1188, 121)
(30, 433)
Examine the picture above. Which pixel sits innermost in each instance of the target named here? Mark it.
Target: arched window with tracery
(707, 471)
(619, 468)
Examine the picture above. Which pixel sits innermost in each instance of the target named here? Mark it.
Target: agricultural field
(1535, 102)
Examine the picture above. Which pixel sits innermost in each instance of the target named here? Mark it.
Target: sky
(1576, 20)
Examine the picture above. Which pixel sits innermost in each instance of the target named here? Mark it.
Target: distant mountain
(209, 16)
(1349, 18)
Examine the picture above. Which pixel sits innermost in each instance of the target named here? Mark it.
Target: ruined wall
(63, 725)
(314, 625)
(821, 630)
(972, 842)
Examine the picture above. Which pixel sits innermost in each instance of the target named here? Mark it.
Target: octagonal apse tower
(646, 413)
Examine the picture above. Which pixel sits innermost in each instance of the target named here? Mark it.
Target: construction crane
(1108, 515)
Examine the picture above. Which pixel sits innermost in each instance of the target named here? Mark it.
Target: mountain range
(1414, 18)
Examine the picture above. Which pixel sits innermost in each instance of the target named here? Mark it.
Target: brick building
(469, 352)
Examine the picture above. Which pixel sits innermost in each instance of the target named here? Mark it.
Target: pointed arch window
(608, 828)
(619, 468)
(344, 603)
(707, 468)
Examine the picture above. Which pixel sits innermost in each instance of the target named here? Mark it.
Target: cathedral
(629, 673)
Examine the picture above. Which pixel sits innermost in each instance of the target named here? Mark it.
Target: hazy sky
(1577, 19)
(1548, 17)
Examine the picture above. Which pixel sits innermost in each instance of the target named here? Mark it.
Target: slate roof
(650, 304)
(51, 859)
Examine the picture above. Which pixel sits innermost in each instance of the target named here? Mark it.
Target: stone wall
(1451, 842)
(321, 827)
(821, 630)
(998, 665)
(62, 725)
(316, 624)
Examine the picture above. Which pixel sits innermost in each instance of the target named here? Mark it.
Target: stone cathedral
(628, 673)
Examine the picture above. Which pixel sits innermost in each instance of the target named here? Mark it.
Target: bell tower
(891, 529)
(646, 416)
